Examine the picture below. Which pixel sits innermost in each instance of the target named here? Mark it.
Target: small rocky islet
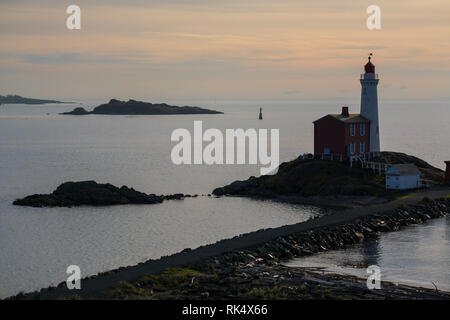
(133, 107)
(91, 193)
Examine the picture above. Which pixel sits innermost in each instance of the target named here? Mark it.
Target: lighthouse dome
(369, 67)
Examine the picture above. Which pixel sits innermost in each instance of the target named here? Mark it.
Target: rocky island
(318, 182)
(72, 194)
(133, 107)
(15, 99)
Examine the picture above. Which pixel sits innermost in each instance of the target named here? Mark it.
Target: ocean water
(40, 149)
(418, 255)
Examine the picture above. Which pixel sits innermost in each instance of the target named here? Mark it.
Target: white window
(362, 147)
(352, 148)
(352, 129)
(362, 129)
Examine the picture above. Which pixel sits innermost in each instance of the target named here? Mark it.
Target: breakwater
(340, 235)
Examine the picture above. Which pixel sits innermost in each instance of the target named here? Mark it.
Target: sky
(223, 49)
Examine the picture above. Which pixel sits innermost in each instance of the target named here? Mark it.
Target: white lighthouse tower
(369, 103)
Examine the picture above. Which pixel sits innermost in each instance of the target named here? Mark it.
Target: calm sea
(418, 255)
(40, 149)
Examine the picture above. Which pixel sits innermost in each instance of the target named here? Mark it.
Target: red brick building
(342, 134)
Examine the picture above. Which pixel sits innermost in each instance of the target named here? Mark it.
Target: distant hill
(133, 107)
(15, 99)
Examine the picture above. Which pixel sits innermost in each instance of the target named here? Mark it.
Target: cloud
(226, 48)
(67, 58)
(359, 47)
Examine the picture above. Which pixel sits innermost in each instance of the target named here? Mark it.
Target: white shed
(402, 176)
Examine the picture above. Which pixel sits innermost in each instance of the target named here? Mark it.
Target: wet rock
(79, 111)
(176, 196)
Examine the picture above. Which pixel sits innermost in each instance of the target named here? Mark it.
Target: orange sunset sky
(223, 49)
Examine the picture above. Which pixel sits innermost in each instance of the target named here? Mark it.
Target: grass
(406, 196)
(161, 286)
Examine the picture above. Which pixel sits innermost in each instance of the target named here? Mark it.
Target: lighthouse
(369, 103)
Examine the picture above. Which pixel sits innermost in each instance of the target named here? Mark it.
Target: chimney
(447, 172)
(345, 112)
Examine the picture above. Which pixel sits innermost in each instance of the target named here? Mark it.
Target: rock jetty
(341, 235)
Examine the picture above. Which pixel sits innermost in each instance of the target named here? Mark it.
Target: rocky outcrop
(91, 193)
(427, 171)
(133, 107)
(306, 178)
(79, 111)
(312, 177)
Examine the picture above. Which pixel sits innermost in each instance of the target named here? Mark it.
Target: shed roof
(403, 169)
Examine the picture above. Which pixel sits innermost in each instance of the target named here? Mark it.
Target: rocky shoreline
(72, 194)
(256, 271)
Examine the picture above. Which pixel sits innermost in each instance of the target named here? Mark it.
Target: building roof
(352, 118)
(403, 169)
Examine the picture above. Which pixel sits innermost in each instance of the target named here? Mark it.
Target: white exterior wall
(401, 182)
(369, 108)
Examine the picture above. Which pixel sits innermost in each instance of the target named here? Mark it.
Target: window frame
(362, 129)
(352, 129)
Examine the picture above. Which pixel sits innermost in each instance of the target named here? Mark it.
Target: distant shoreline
(15, 99)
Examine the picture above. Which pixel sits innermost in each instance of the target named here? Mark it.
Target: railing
(381, 167)
(368, 156)
(324, 156)
(374, 78)
(365, 161)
